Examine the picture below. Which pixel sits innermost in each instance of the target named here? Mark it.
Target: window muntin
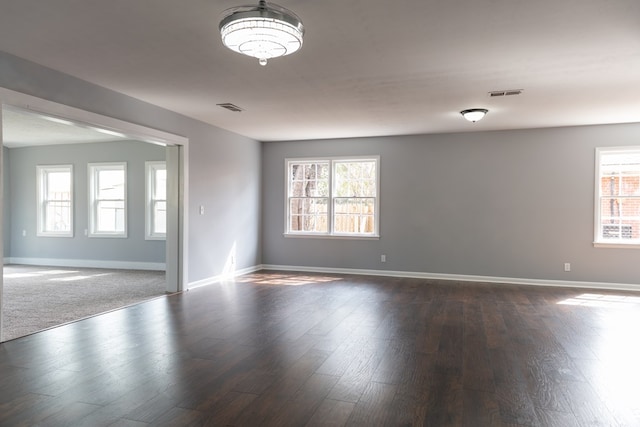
(156, 200)
(332, 197)
(618, 196)
(108, 200)
(55, 200)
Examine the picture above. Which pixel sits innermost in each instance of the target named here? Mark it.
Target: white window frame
(93, 168)
(330, 215)
(41, 181)
(599, 241)
(151, 167)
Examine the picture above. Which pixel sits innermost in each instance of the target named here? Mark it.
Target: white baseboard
(88, 263)
(458, 277)
(222, 277)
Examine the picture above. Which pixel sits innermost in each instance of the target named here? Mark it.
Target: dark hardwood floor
(277, 349)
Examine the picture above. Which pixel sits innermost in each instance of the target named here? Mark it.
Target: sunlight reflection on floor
(615, 373)
(279, 279)
(76, 278)
(38, 274)
(613, 370)
(601, 300)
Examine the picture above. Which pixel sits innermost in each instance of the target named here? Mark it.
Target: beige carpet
(37, 298)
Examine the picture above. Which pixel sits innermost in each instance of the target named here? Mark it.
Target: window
(107, 199)
(55, 200)
(617, 210)
(156, 200)
(332, 197)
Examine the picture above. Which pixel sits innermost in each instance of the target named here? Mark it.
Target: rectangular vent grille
(231, 107)
(509, 92)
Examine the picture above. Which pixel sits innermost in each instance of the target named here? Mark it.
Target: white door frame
(177, 167)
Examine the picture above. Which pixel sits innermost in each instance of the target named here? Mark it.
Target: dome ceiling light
(474, 114)
(262, 31)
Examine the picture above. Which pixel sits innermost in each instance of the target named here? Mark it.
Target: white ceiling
(367, 67)
(22, 128)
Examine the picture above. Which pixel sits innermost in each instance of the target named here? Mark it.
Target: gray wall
(224, 168)
(6, 209)
(514, 204)
(22, 169)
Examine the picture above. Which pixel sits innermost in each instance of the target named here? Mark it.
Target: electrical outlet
(24, 233)
(201, 210)
(383, 258)
(567, 266)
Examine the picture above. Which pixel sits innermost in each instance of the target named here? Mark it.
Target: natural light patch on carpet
(37, 274)
(76, 278)
(284, 279)
(600, 300)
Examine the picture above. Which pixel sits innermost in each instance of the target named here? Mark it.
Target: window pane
(620, 218)
(308, 215)
(620, 161)
(110, 184)
(57, 215)
(609, 208)
(160, 217)
(58, 185)
(160, 187)
(629, 184)
(620, 230)
(354, 215)
(609, 185)
(309, 180)
(355, 179)
(110, 215)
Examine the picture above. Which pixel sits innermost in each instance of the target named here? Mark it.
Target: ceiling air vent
(508, 92)
(231, 107)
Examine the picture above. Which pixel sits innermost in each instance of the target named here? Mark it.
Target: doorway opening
(53, 129)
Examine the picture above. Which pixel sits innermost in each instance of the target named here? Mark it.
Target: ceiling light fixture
(474, 114)
(263, 31)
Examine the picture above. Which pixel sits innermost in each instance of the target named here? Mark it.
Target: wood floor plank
(119, 423)
(66, 415)
(48, 411)
(375, 406)
(358, 374)
(300, 408)
(480, 408)
(588, 406)
(512, 392)
(181, 417)
(17, 409)
(228, 408)
(395, 359)
(331, 413)
(152, 409)
(557, 419)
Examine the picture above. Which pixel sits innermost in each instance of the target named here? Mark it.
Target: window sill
(155, 238)
(616, 245)
(332, 236)
(44, 234)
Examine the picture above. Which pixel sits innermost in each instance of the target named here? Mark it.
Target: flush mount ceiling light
(474, 114)
(262, 31)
